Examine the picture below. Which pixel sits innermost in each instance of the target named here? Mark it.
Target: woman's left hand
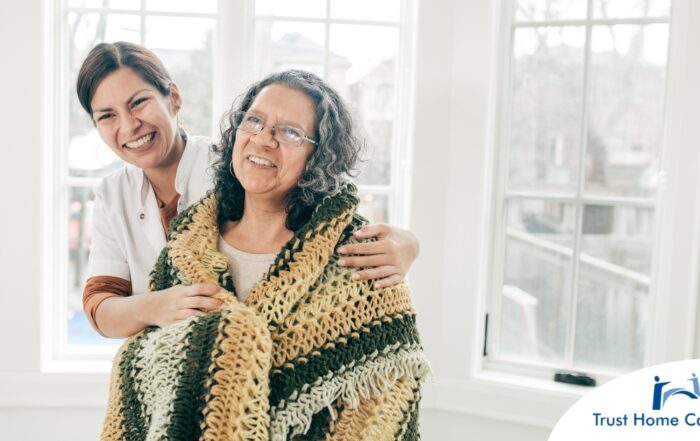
(387, 260)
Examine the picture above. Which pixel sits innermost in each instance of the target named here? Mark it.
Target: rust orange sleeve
(97, 290)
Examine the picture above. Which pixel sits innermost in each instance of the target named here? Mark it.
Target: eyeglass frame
(240, 115)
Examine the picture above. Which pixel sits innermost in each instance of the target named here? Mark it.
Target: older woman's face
(264, 166)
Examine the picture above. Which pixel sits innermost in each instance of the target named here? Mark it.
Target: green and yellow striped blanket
(310, 355)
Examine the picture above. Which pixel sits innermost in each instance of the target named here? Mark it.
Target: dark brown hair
(106, 58)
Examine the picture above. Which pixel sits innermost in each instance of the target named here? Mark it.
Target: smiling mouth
(140, 142)
(257, 160)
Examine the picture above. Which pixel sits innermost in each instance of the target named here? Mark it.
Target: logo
(661, 395)
(656, 403)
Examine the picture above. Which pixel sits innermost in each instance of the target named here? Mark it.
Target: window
(361, 56)
(582, 122)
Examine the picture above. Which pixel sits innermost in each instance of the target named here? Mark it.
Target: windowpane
(185, 45)
(362, 68)
(625, 124)
(631, 8)
(198, 7)
(80, 211)
(536, 280)
(385, 10)
(547, 220)
(620, 236)
(534, 313)
(179, 34)
(546, 108)
(288, 45)
(535, 10)
(374, 207)
(113, 4)
(85, 30)
(611, 321)
(89, 156)
(291, 8)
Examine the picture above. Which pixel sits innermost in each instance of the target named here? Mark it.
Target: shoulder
(356, 222)
(128, 180)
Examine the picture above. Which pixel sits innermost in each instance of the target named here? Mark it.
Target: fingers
(364, 261)
(374, 230)
(203, 289)
(203, 303)
(392, 280)
(378, 247)
(379, 272)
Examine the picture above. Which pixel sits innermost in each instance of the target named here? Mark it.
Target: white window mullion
(502, 163)
(327, 40)
(233, 55)
(592, 21)
(578, 227)
(140, 10)
(321, 20)
(142, 18)
(405, 103)
(585, 199)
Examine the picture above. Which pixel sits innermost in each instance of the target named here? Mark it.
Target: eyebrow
(131, 98)
(284, 122)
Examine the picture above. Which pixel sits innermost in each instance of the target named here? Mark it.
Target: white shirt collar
(182, 176)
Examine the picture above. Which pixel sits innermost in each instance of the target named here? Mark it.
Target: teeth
(141, 141)
(260, 161)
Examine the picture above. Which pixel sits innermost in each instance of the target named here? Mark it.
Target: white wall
(20, 178)
(453, 79)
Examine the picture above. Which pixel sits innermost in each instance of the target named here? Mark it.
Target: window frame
(229, 80)
(501, 196)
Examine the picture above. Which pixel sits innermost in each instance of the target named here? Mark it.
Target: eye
(253, 120)
(290, 133)
(104, 117)
(138, 102)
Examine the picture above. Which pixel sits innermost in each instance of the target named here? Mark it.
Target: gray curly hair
(334, 159)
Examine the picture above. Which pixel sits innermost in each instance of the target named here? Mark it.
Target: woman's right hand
(163, 308)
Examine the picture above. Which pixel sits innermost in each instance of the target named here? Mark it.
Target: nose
(130, 123)
(266, 137)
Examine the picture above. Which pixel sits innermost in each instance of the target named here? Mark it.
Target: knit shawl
(312, 354)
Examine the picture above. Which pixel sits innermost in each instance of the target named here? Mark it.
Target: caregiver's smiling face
(136, 121)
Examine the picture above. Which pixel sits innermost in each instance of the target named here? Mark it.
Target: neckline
(230, 249)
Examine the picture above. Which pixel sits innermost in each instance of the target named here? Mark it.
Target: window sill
(53, 390)
(535, 402)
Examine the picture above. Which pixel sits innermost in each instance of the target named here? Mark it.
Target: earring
(230, 169)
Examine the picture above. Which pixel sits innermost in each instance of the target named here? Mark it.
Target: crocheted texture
(310, 355)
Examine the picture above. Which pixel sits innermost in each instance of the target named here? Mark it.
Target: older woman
(302, 350)
(134, 104)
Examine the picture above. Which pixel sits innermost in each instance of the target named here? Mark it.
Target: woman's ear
(175, 98)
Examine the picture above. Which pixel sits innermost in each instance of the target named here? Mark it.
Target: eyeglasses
(284, 134)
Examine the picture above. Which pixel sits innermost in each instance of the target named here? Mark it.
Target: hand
(387, 260)
(174, 304)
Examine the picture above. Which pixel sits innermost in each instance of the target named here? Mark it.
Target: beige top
(247, 269)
